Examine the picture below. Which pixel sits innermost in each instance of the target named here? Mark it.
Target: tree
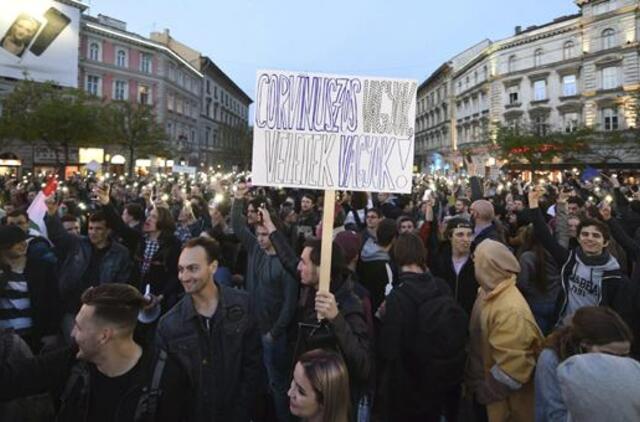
(524, 145)
(61, 118)
(134, 127)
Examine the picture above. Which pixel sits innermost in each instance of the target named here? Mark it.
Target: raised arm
(630, 246)
(130, 237)
(541, 230)
(238, 221)
(286, 254)
(60, 238)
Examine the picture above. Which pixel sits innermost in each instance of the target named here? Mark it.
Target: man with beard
(106, 376)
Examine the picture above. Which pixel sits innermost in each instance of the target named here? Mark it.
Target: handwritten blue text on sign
(333, 132)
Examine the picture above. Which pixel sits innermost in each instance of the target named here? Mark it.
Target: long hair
(592, 325)
(532, 243)
(329, 378)
(165, 224)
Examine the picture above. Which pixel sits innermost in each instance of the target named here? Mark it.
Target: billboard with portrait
(39, 38)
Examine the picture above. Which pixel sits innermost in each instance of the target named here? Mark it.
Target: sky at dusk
(401, 38)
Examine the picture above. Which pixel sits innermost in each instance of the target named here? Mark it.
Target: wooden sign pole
(328, 211)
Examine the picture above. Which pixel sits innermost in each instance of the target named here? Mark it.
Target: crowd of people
(174, 298)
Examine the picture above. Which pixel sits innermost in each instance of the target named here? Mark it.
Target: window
(540, 90)
(540, 125)
(170, 130)
(207, 136)
(120, 90)
(172, 72)
(569, 87)
(610, 119)
(144, 94)
(170, 101)
(610, 77)
(608, 38)
(93, 86)
(145, 62)
(514, 124)
(215, 92)
(208, 86)
(568, 50)
(94, 51)
(537, 58)
(121, 58)
(571, 121)
(513, 62)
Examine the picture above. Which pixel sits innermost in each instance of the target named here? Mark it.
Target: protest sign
(322, 131)
(333, 132)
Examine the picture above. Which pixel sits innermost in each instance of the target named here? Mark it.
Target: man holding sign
(319, 131)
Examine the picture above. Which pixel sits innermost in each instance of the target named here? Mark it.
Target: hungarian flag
(38, 209)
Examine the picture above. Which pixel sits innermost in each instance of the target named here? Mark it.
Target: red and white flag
(38, 209)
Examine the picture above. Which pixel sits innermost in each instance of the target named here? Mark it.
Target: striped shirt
(15, 304)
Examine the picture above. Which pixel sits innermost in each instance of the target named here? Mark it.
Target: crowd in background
(178, 298)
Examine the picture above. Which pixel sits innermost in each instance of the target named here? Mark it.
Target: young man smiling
(590, 275)
(211, 331)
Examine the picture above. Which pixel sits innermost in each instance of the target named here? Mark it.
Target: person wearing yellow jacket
(505, 339)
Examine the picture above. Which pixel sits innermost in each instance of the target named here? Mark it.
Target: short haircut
(338, 262)
(576, 200)
(310, 196)
(115, 303)
(135, 210)
(18, 212)
(404, 218)
(455, 223)
(377, 211)
(210, 246)
(386, 232)
(465, 201)
(98, 217)
(599, 225)
(408, 249)
(69, 218)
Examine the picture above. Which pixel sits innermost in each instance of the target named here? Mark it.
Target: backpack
(439, 341)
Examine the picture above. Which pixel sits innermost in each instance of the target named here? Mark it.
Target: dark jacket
(406, 393)
(163, 272)
(224, 368)
(46, 312)
(273, 290)
(114, 268)
(490, 232)
(349, 329)
(464, 285)
(613, 281)
(68, 380)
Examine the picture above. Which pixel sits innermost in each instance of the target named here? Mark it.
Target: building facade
(577, 71)
(224, 122)
(203, 116)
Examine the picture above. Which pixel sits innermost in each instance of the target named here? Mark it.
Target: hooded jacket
(598, 277)
(509, 337)
(600, 387)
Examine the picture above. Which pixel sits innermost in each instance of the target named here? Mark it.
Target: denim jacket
(223, 361)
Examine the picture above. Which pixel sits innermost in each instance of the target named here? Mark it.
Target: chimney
(167, 32)
(518, 29)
